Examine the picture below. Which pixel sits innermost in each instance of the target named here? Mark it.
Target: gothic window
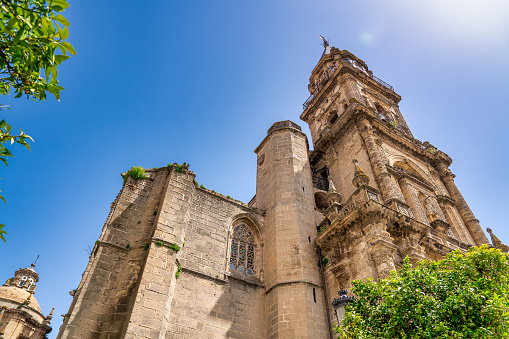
(242, 250)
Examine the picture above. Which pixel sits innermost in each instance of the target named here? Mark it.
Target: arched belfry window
(242, 250)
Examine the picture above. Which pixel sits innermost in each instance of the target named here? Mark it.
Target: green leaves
(2, 232)
(461, 296)
(6, 137)
(32, 33)
(60, 18)
(59, 5)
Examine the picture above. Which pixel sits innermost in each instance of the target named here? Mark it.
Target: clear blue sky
(202, 81)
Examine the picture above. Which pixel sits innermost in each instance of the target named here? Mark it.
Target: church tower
(178, 260)
(20, 313)
(382, 193)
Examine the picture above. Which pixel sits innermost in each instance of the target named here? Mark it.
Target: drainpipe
(325, 294)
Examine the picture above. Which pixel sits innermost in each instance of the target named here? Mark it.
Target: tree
(461, 296)
(32, 45)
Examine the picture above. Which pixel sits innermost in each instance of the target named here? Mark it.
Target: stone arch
(411, 166)
(249, 227)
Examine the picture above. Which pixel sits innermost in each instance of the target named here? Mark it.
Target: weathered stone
(271, 268)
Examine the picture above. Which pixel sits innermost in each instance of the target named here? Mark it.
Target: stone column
(447, 206)
(390, 191)
(466, 213)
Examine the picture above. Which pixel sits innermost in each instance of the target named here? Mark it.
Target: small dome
(18, 295)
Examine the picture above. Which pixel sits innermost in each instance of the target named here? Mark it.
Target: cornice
(402, 173)
(346, 68)
(27, 316)
(445, 199)
(372, 211)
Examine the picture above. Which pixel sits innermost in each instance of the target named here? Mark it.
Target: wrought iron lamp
(340, 303)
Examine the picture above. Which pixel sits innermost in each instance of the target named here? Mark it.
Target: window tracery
(242, 250)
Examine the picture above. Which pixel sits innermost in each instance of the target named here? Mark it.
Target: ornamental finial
(359, 178)
(497, 243)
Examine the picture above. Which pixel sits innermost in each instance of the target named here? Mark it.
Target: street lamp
(340, 303)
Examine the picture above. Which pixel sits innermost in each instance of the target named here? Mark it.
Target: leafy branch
(31, 35)
(32, 46)
(6, 137)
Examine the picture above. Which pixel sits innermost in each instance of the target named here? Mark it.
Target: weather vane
(325, 43)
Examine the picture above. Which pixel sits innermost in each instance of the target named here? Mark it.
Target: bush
(135, 173)
(461, 296)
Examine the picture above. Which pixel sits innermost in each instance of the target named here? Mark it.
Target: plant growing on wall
(135, 173)
(431, 149)
(179, 269)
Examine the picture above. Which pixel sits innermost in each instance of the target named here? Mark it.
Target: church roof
(18, 295)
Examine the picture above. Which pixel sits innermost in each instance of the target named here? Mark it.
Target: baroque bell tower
(381, 194)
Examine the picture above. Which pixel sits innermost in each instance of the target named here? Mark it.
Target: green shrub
(146, 246)
(464, 295)
(179, 269)
(159, 243)
(179, 168)
(128, 246)
(174, 247)
(135, 173)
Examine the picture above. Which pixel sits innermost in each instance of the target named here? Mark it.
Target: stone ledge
(282, 283)
(245, 278)
(204, 275)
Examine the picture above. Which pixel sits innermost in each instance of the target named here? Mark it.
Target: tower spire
(35, 261)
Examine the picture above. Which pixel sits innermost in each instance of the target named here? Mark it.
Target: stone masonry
(176, 260)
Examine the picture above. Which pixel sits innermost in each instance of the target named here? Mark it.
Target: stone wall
(130, 288)
(106, 293)
(210, 301)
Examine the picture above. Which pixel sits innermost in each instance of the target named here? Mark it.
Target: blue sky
(202, 81)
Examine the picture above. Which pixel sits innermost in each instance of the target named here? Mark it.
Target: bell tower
(397, 195)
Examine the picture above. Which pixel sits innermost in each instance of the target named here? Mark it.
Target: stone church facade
(176, 260)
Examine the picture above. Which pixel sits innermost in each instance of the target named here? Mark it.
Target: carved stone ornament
(497, 243)
(359, 178)
(333, 196)
(440, 225)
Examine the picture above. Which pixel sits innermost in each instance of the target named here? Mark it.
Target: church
(176, 260)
